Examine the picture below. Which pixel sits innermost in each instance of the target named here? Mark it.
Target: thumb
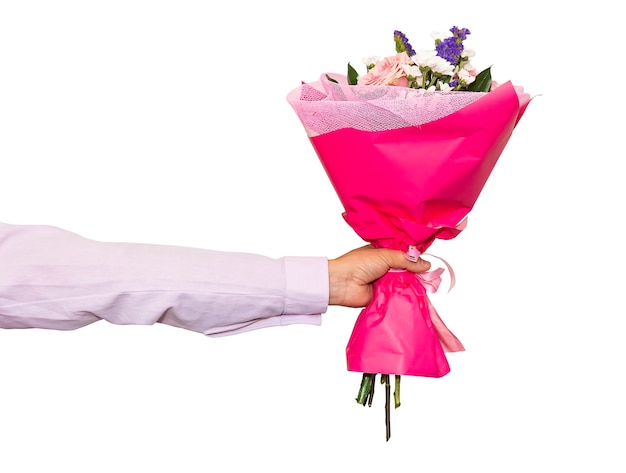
(398, 260)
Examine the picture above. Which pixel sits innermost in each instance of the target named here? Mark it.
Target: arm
(51, 278)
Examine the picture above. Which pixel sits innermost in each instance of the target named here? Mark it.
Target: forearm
(51, 278)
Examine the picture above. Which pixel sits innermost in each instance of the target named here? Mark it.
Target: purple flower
(460, 33)
(402, 43)
(450, 49)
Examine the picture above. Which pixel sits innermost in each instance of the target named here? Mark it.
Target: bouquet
(408, 147)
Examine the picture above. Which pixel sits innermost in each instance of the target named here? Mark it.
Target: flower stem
(385, 379)
(366, 390)
(396, 392)
(370, 398)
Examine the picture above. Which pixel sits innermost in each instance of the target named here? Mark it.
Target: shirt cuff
(306, 297)
(306, 285)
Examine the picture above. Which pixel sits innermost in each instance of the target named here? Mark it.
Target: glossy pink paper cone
(408, 186)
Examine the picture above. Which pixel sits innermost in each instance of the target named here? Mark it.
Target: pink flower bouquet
(408, 148)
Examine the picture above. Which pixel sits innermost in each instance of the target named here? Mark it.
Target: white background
(166, 122)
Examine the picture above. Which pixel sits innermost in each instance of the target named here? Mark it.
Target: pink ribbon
(431, 280)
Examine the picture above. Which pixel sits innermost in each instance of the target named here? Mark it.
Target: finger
(400, 261)
(422, 264)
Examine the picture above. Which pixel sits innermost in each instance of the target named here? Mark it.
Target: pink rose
(388, 71)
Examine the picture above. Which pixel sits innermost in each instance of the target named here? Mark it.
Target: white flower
(469, 52)
(466, 76)
(469, 67)
(422, 56)
(429, 58)
(370, 60)
(444, 87)
(412, 71)
(438, 35)
(442, 66)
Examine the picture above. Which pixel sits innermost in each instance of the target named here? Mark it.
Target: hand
(351, 275)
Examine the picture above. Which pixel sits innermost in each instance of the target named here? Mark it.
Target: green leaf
(330, 79)
(482, 83)
(353, 75)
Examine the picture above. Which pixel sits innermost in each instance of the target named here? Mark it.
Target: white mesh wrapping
(325, 106)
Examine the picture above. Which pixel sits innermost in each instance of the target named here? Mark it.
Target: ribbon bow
(431, 280)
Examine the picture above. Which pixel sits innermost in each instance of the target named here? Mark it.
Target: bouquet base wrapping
(412, 343)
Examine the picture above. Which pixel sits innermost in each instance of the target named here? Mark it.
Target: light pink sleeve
(51, 278)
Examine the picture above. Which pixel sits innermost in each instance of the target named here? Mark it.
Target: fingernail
(412, 254)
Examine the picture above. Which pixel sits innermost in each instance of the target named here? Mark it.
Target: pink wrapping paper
(406, 185)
